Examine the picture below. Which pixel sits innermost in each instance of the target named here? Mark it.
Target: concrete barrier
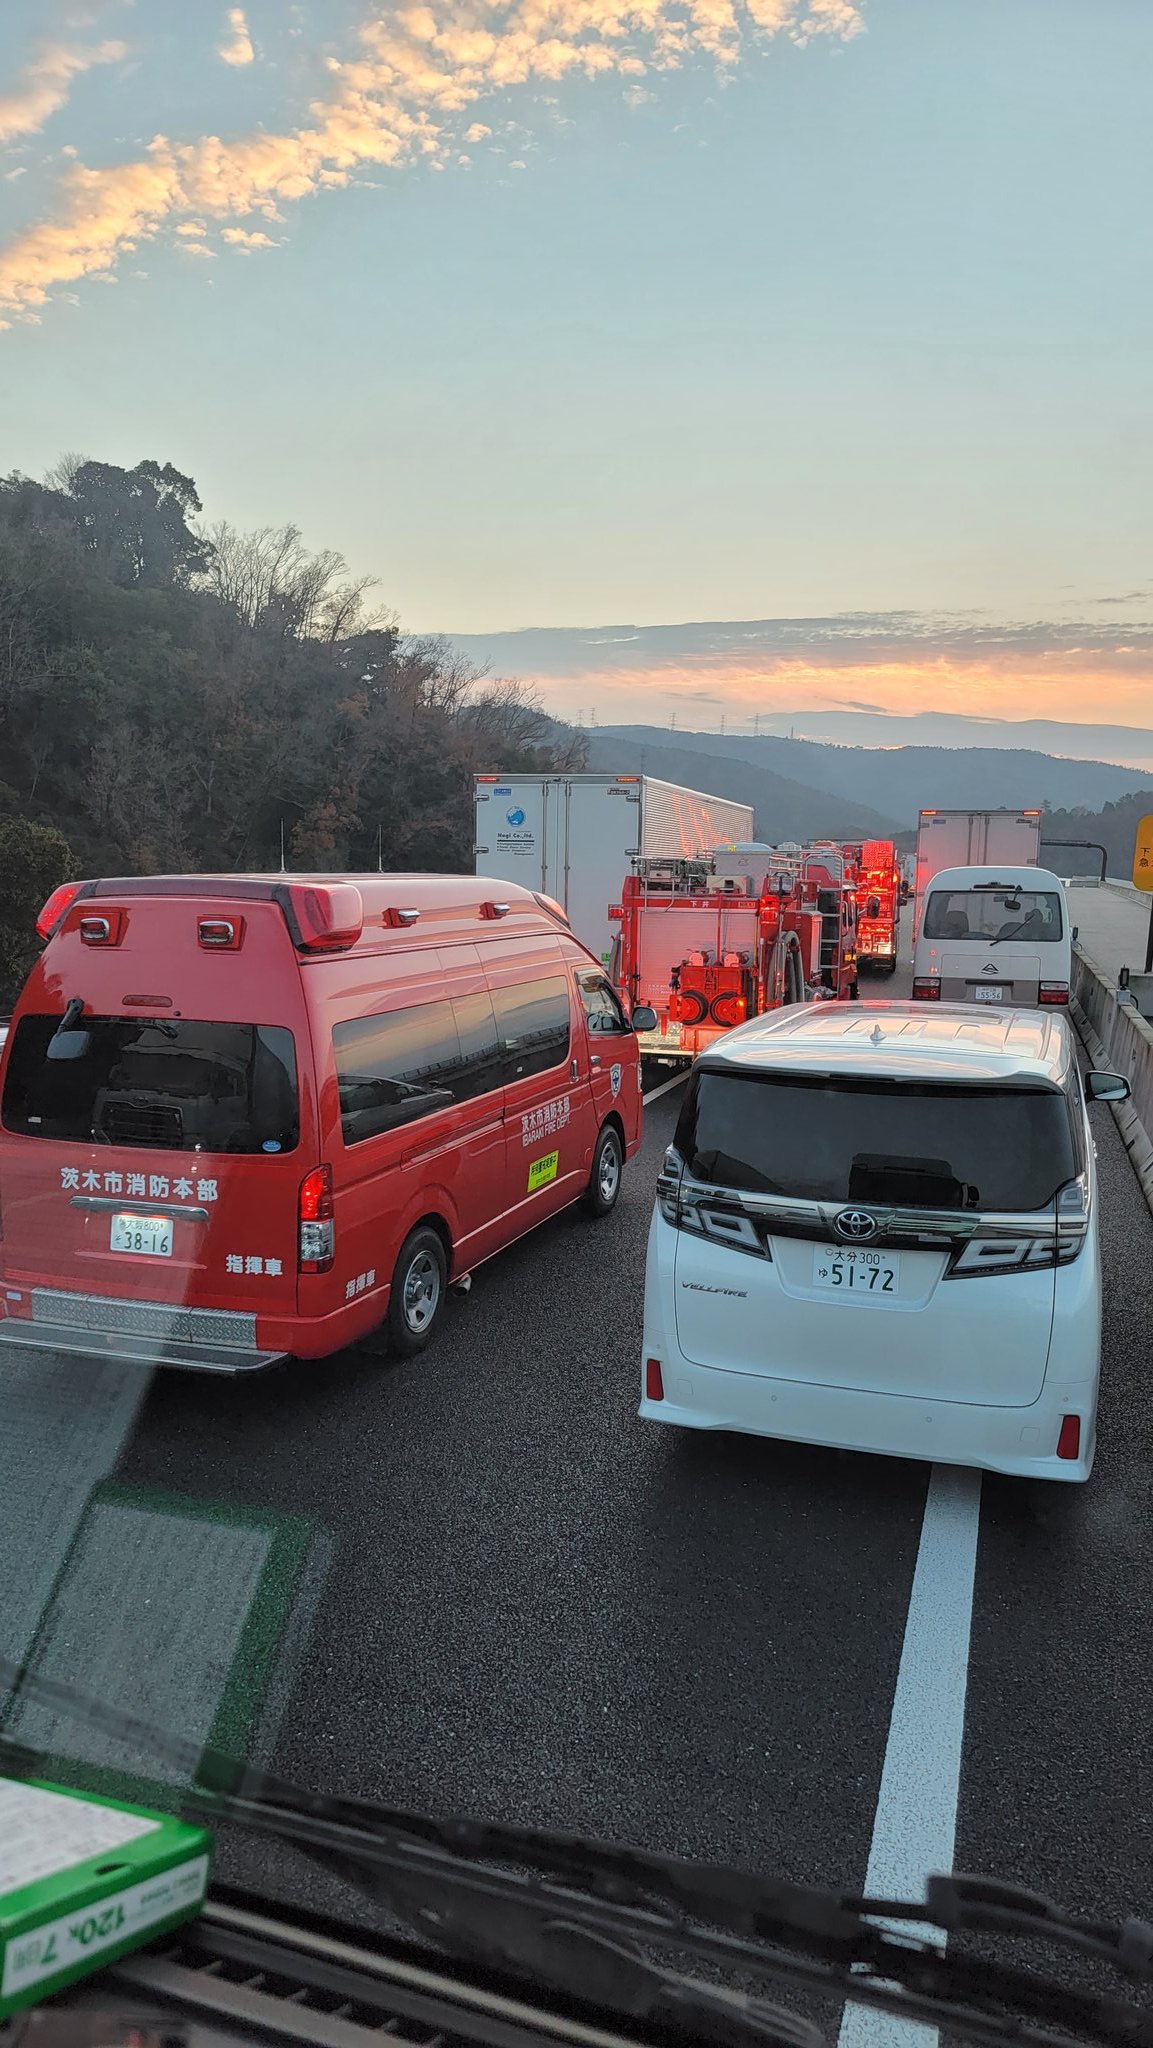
(1119, 1039)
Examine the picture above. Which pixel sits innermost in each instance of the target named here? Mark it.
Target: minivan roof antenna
(876, 1034)
(283, 869)
(380, 849)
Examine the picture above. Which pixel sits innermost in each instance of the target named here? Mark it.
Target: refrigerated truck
(968, 839)
(575, 837)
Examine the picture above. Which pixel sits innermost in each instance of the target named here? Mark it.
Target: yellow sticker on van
(541, 1171)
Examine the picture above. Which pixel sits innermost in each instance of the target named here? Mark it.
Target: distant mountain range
(806, 789)
(783, 808)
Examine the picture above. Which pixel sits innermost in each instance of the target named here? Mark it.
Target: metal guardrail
(1119, 1038)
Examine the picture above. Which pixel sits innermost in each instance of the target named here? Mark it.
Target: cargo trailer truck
(575, 837)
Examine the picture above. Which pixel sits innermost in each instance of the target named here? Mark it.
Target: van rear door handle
(573, 1069)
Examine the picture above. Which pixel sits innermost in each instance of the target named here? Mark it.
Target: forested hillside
(174, 695)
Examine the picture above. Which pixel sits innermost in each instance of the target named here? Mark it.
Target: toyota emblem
(856, 1225)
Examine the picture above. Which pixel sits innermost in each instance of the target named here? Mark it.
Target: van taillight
(1053, 992)
(317, 1228)
(220, 934)
(927, 989)
(323, 918)
(654, 1384)
(60, 900)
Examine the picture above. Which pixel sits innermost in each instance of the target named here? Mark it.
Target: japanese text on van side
(540, 1123)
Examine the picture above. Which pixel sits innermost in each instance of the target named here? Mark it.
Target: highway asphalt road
(493, 1590)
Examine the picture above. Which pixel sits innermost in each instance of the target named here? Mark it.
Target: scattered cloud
(398, 99)
(241, 238)
(198, 249)
(44, 84)
(237, 45)
(21, 171)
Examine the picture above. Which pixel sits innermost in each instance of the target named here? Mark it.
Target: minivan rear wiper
(592, 1919)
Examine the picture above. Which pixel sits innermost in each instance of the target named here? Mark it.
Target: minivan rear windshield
(1031, 915)
(158, 1082)
(925, 1146)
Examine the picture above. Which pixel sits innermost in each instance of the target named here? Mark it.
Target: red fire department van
(250, 1117)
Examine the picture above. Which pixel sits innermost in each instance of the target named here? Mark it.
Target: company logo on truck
(515, 816)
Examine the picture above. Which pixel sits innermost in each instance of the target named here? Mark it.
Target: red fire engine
(879, 899)
(737, 932)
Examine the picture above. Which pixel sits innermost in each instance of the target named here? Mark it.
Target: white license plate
(151, 1234)
(981, 994)
(877, 1274)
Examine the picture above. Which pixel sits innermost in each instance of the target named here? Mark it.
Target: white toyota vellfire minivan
(876, 1229)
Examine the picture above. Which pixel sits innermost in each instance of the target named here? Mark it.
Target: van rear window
(168, 1083)
(912, 1145)
(994, 915)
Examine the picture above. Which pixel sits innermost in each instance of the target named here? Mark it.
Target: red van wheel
(416, 1297)
(605, 1179)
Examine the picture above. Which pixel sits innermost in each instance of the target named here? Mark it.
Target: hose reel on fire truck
(784, 972)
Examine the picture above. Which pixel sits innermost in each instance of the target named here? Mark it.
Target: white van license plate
(981, 994)
(151, 1234)
(846, 1272)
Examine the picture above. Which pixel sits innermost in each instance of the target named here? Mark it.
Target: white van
(876, 1228)
(993, 935)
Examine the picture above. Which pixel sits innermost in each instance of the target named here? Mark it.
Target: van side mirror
(1076, 931)
(644, 1019)
(1107, 1088)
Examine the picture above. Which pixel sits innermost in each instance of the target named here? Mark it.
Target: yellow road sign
(1143, 856)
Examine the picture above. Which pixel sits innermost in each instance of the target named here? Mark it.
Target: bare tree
(62, 475)
(271, 581)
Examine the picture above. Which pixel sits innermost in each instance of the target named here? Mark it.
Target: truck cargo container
(574, 837)
(969, 839)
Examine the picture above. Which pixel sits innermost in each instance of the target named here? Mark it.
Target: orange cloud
(1066, 686)
(237, 45)
(394, 102)
(45, 83)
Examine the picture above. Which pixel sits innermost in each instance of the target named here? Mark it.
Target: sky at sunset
(825, 321)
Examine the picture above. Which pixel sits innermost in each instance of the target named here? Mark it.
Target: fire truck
(736, 932)
(880, 893)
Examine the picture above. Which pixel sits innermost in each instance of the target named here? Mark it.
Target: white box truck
(973, 839)
(575, 837)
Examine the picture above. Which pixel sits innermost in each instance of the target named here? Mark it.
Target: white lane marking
(664, 1087)
(916, 1821)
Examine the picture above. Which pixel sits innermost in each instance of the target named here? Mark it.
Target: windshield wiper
(586, 1917)
(1010, 934)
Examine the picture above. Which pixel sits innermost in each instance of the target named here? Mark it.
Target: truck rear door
(161, 1165)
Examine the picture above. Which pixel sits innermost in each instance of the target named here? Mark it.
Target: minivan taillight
(927, 989)
(720, 1218)
(1053, 992)
(317, 1228)
(1069, 1439)
(1008, 1254)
